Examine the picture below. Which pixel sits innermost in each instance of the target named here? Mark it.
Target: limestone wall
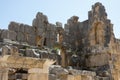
(41, 33)
(95, 60)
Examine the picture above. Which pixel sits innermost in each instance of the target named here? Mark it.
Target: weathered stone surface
(95, 60)
(52, 77)
(57, 72)
(56, 69)
(29, 53)
(29, 29)
(98, 13)
(82, 72)
(7, 34)
(22, 28)
(10, 50)
(58, 24)
(88, 45)
(23, 32)
(31, 39)
(20, 37)
(72, 28)
(14, 51)
(40, 20)
(45, 30)
(13, 26)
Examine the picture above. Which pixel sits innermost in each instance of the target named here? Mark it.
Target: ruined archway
(33, 68)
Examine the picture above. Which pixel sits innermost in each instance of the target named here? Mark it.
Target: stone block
(21, 37)
(34, 23)
(40, 76)
(40, 31)
(86, 77)
(66, 28)
(62, 77)
(40, 20)
(22, 28)
(5, 50)
(31, 39)
(41, 16)
(10, 50)
(14, 51)
(50, 27)
(7, 34)
(4, 73)
(37, 74)
(74, 77)
(29, 29)
(56, 69)
(95, 60)
(29, 53)
(58, 24)
(14, 26)
(52, 77)
(0, 33)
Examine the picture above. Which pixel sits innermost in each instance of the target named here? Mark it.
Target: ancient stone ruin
(85, 50)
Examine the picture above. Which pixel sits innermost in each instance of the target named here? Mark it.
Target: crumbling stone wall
(91, 43)
(101, 27)
(41, 33)
(24, 33)
(97, 30)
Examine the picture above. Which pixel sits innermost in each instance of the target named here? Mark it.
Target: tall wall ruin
(89, 45)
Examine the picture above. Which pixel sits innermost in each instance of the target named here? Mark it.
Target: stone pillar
(3, 73)
(37, 74)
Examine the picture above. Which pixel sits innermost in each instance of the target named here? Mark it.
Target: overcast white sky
(24, 11)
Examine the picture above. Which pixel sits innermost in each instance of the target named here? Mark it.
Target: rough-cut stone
(52, 77)
(58, 70)
(89, 45)
(7, 34)
(73, 26)
(29, 53)
(14, 51)
(22, 28)
(23, 32)
(29, 29)
(10, 50)
(40, 20)
(45, 31)
(95, 60)
(13, 26)
(20, 37)
(31, 39)
(58, 24)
